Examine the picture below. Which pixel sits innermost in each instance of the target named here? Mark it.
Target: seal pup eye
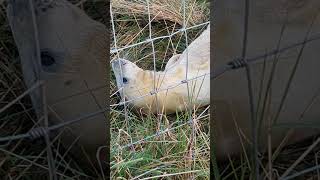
(46, 59)
(125, 80)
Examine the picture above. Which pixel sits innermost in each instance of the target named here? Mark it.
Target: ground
(164, 154)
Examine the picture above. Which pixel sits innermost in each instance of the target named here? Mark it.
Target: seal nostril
(46, 59)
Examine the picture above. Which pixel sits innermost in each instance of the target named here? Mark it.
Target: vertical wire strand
(189, 106)
(51, 164)
(120, 65)
(154, 65)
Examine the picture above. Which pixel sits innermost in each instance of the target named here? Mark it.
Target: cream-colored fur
(77, 44)
(231, 120)
(171, 95)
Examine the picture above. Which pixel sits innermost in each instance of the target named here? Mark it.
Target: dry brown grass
(170, 10)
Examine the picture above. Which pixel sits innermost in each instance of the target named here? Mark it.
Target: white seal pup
(231, 118)
(72, 67)
(172, 91)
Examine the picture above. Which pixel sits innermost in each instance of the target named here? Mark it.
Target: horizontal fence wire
(190, 121)
(117, 50)
(232, 65)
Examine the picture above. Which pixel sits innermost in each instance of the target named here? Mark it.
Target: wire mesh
(189, 120)
(135, 142)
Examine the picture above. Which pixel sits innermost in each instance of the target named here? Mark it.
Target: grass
(155, 157)
(27, 159)
(163, 156)
(168, 154)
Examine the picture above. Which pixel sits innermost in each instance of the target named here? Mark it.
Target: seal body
(184, 83)
(300, 110)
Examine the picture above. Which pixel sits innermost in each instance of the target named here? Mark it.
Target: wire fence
(233, 65)
(38, 132)
(155, 90)
(237, 63)
(41, 131)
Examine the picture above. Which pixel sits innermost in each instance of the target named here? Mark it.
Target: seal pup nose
(118, 64)
(119, 61)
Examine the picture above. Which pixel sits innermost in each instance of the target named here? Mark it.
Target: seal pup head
(125, 73)
(132, 81)
(72, 49)
(136, 85)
